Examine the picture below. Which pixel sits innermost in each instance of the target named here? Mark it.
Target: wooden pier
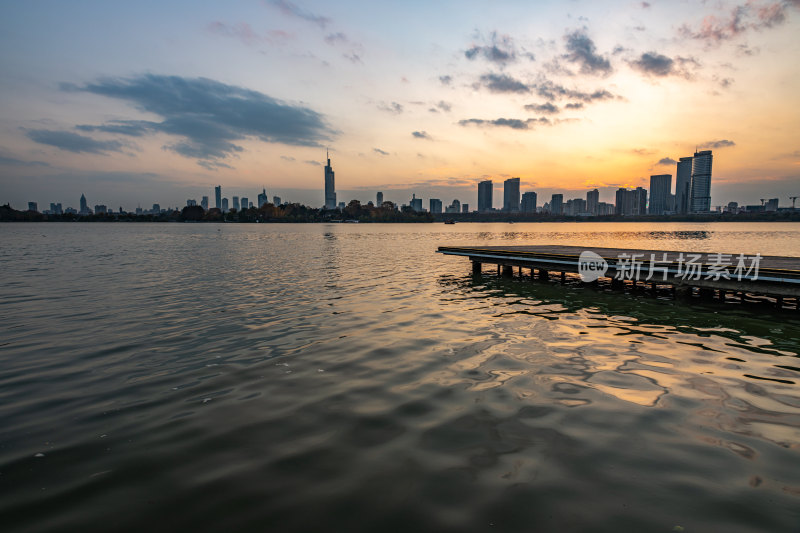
(711, 275)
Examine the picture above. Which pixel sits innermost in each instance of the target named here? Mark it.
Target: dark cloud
(133, 128)
(551, 91)
(666, 161)
(11, 161)
(72, 142)
(292, 10)
(574, 105)
(312, 162)
(581, 51)
(645, 5)
(444, 106)
(208, 115)
(393, 107)
(546, 109)
(379, 151)
(502, 83)
(724, 143)
(446, 80)
(499, 49)
(420, 135)
(655, 64)
(513, 123)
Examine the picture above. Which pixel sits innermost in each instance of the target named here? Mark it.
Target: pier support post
(544, 275)
(706, 294)
(498, 269)
(533, 274)
(508, 271)
(682, 292)
(476, 268)
(616, 283)
(563, 277)
(779, 302)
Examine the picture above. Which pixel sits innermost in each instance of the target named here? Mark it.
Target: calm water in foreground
(342, 377)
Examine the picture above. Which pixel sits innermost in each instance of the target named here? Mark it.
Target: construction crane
(793, 198)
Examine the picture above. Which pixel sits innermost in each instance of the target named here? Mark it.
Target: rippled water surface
(347, 378)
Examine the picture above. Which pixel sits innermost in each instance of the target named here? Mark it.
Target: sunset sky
(133, 103)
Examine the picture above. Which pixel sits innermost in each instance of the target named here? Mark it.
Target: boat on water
(450, 221)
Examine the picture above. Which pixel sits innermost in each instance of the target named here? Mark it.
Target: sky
(133, 103)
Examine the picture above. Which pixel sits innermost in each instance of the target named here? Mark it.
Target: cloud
(574, 105)
(444, 106)
(498, 49)
(546, 109)
(379, 151)
(513, 123)
(208, 116)
(336, 38)
(11, 161)
(421, 135)
(72, 142)
(502, 83)
(655, 64)
(291, 10)
(446, 80)
(724, 143)
(133, 128)
(751, 15)
(288, 158)
(393, 107)
(666, 161)
(242, 31)
(581, 50)
(312, 162)
(551, 91)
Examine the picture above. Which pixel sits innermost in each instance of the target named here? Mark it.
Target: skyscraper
(236, 202)
(379, 198)
(436, 205)
(330, 185)
(84, 206)
(204, 203)
(245, 203)
(557, 204)
(592, 201)
(660, 187)
(701, 182)
(683, 185)
(511, 195)
(528, 202)
(416, 203)
(485, 196)
(262, 198)
(218, 196)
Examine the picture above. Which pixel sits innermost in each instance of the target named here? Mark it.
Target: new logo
(591, 266)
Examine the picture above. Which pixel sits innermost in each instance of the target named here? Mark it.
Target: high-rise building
(436, 205)
(701, 182)
(191, 203)
(330, 185)
(276, 200)
(528, 202)
(245, 203)
(156, 209)
(771, 205)
(84, 207)
(592, 201)
(33, 206)
(660, 187)
(224, 205)
(557, 204)
(204, 203)
(100, 209)
(56, 209)
(262, 198)
(465, 208)
(416, 203)
(631, 202)
(511, 195)
(454, 208)
(683, 185)
(485, 196)
(218, 196)
(236, 202)
(379, 199)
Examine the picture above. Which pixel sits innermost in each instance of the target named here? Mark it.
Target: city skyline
(426, 100)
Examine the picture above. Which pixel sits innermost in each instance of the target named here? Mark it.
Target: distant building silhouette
(218, 196)
(33, 206)
(485, 196)
(245, 203)
(276, 200)
(435, 205)
(528, 202)
(631, 202)
(771, 205)
(557, 204)
(511, 195)
(454, 208)
(416, 203)
(84, 210)
(701, 182)
(236, 203)
(262, 197)
(464, 207)
(224, 205)
(330, 185)
(660, 187)
(204, 203)
(592, 201)
(683, 185)
(379, 198)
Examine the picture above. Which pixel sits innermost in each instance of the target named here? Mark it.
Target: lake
(345, 377)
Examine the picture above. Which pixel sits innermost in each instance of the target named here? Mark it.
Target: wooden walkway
(719, 273)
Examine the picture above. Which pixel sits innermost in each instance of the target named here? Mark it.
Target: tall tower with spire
(330, 185)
